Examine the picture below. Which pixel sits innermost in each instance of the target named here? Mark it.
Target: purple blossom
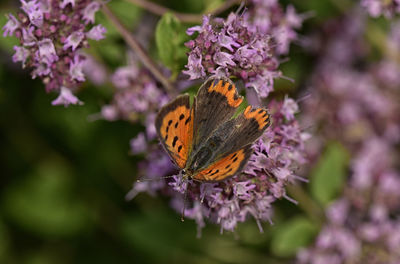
(97, 32)
(21, 54)
(356, 107)
(90, 11)
(239, 47)
(51, 36)
(76, 69)
(138, 144)
(66, 98)
(47, 51)
(11, 25)
(64, 3)
(74, 40)
(376, 8)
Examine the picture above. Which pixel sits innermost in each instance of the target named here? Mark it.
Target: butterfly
(204, 139)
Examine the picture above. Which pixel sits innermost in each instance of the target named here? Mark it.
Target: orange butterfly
(204, 140)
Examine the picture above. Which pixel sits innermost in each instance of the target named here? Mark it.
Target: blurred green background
(64, 177)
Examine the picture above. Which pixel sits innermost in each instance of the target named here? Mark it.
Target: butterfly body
(205, 140)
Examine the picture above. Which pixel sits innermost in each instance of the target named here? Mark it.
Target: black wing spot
(174, 141)
(166, 137)
(230, 87)
(169, 122)
(229, 170)
(176, 124)
(260, 111)
(264, 115)
(182, 116)
(234, 155)
(166, 130)
(215, 172)
(179, 148)
(252, 110)
(235, 97)
(235, 159)
(228, 166)
(188, 120)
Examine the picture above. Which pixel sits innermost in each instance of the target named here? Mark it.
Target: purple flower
(74, 40)
(138, 144)
(34, 11)
(76, 69)
(11, 25)
(66, 98)
(240, 47)
(47, 51)
(97, 32)
(89, 12)
(21, 54)
(64, 3)
(51, 36)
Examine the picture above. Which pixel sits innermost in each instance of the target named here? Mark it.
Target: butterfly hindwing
(174, 125)
(216, 102)
(226, 167)
(247, 128)
(236, 137)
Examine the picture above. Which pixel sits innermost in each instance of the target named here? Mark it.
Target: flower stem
(184, 17)
(309, 206)
(141, 53)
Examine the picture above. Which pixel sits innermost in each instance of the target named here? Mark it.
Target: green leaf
(170, 39)
(329, 174)
(292, 235)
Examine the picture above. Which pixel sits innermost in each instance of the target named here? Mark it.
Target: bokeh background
(65, 172)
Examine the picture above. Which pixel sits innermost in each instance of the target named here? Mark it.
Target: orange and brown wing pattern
(225, 167)
(260, 115)
(216, 102)
(174, 125)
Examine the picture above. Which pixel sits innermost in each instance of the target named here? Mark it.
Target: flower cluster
(377, 8)
(359, 108)
(272, 166)
(246, 46)
(137, 98)
(51, 34)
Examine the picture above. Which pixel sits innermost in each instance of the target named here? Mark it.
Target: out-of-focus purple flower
(47, 51)
(90, 11)
(137, 97)
(11, 25)
(97, 32)
(74, 40)
(21, 54)
(64, 3)
(51, 34)
(376, 8)
(356, 107)
(138, 144)
(94, 70)
(76, 68)
(66, 98)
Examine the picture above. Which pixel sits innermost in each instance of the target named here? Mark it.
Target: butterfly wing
(216, 103)
(236, 149)
(225, 167)
(174, 125)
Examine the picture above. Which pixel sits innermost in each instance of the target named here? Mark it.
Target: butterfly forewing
(174, 125)
(217, 101)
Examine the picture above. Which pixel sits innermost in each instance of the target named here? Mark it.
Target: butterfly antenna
(184, 202)
(154, 179)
